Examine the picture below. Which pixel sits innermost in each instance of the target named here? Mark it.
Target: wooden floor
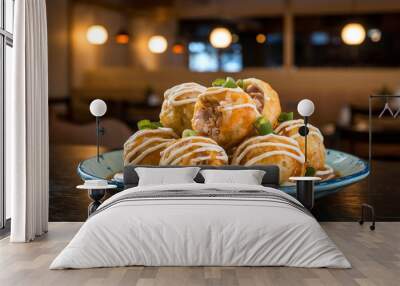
(375, 257)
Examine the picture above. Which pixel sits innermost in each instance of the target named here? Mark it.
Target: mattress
(201, 225)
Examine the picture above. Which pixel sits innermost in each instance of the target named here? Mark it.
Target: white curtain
(27, 140)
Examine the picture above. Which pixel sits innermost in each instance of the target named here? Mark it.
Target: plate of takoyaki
(230, 123)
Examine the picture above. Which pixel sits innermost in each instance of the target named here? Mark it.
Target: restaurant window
(203, 57)
(319, 42)
(256, 42)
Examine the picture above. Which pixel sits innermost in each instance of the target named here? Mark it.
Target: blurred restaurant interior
(335, 52)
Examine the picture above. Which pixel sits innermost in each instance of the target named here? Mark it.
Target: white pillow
(248, 177)
(166, 176)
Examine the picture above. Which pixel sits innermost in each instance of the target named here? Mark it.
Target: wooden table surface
(70, 204)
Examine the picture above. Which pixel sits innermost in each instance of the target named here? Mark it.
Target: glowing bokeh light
(353, 34)
(157, 44)
(97, 35)
(261, 38)
(178, 48)
(122, 38)
(220, 38)
(375, 35)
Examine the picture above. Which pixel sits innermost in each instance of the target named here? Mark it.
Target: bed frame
(271, 177)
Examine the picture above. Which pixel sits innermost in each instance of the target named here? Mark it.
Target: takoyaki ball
(225, 114)
(272, 149)
(315, 141)
(144, 147)
(265, 98)
(178, 105)
(194, 150)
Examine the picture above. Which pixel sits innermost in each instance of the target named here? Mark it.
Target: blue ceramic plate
(350, 169)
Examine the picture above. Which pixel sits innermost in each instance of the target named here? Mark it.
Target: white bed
(222, 225)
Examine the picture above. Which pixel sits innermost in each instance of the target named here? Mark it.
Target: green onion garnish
(218, 82)
(144, 124)
(157, 124)
(147, 124)
(310, 171)
(230, 83)
(285, 116)
(188, 133)
(263, 126)
(240, 83)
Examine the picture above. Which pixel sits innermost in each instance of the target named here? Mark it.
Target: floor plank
(375, 257)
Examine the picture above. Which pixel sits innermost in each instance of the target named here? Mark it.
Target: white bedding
(183, 231)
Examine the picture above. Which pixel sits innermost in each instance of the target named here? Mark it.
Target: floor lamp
(98, 108)
(305, 185)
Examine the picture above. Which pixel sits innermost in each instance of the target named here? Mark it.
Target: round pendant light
(220, 38)
(157, 44)
(97, 35)
(353, 34)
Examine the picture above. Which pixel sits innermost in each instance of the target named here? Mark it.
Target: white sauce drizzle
(266, 144)
(143, 132)
(172, 154)
(192, 88)
(244, 105)
(146, 141)
(247, 146)
(144, 144)
(265, 137)
(186, 139)
(205, 158)
(273, 153)
(175, 156)
(199, 150)
(291, 124)
(218, 90)
(287, 123)
(328, 170)
(148, 151)
(329, 177)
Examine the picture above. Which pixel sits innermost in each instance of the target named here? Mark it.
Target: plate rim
(319, 186)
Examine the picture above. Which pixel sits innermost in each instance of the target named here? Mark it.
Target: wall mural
(232, 122)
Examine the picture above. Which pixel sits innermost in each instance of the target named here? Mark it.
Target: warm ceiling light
(122, 37)
(261, 38)
(375, 35)
(157, 44)
(220, 38)
(178, 48)
(97, 35)
(353, 34)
